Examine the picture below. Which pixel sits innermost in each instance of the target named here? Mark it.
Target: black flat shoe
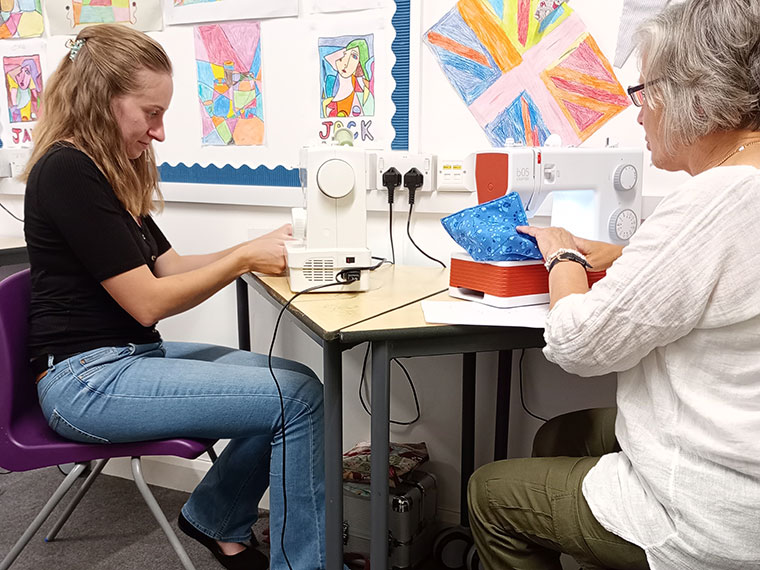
(248, 559)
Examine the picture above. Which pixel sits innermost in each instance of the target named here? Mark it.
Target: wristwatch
(564, 254)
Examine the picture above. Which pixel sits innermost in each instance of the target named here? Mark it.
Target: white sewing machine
(330, 235)
(596, 194)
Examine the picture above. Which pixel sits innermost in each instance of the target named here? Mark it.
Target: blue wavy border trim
(243, 176)
(288, 177)
(400, 72)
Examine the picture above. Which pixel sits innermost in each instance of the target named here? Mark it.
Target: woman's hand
(550, 239)
(565, 278)
(266, 253)
(599, 254)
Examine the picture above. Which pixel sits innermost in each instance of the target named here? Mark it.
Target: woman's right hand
(266, 253)
(599, 254)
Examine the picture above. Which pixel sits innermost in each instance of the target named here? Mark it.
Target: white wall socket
(13, 161)
(402, 161)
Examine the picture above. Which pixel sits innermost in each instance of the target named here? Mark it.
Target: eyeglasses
(637, 93)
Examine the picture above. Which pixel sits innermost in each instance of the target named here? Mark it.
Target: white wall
(440, 125)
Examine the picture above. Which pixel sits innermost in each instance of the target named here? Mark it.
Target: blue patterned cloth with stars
(487, 231)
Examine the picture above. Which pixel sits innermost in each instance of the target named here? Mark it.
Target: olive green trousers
(524, 513)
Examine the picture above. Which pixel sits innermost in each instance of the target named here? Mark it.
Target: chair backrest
(18, 395)
(26, 441)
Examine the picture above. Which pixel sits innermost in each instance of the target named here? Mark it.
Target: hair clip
(74, 47)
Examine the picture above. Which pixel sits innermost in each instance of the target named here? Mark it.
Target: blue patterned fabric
(487, 231)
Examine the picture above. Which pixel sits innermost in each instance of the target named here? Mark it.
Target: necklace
(737, 151)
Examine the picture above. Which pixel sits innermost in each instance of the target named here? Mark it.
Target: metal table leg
(503, 390)
(468, 432)
(244, 327)
(380, 428)
(333, 378)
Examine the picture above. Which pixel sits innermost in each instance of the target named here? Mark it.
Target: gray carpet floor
(111, 528)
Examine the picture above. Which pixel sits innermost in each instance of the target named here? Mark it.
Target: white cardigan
(678, 317)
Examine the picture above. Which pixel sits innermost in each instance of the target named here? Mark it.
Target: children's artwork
(20, 19)
(524, 78)
(635, 13)
(194, 11)
(69, 16)
(23, 84)
(228, 58)
(23, 65)
(546, 7)
(347, 79)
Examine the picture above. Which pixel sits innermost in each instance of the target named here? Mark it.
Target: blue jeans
(176, 389)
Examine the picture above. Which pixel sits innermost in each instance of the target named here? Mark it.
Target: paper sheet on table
(470, 313)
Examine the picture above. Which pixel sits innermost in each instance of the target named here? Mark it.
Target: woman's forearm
(149, 298)
(171, 263)
(566, 278)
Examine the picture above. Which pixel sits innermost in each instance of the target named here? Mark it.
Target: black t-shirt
(78, 234)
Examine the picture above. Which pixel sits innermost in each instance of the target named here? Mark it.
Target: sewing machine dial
(625, 177)
(623, 224)
(335, 178)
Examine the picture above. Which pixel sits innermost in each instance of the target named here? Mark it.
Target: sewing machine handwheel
(335, 178)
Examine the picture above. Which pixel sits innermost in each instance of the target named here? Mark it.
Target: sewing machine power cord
(11, 214)
(342, 277)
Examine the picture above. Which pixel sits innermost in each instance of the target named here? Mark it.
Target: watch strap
(564, 254)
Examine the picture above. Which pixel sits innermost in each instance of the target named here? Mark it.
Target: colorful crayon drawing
(347, 76)
(23, 82)
(189, 2)
(228, 58)
(21, 19)
(546, 7)
(102, 11)
(523, 78)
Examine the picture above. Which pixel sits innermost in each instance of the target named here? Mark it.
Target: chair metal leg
(158, 514)
(97, 468)
(62, 489)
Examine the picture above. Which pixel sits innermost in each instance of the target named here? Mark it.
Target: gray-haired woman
(670, 479)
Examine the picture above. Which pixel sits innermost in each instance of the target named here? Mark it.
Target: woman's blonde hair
(76, 107)
(701, 62)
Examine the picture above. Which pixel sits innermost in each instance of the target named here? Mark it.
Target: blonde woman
(103, 275)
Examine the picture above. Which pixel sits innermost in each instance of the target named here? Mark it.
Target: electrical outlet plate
(13, 161)
(402, 161)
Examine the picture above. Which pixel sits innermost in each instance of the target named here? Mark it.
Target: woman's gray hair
(704, 59)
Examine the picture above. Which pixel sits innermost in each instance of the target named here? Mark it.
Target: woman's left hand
(549, 239)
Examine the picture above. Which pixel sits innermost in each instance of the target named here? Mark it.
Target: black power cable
(11, 214)
(391, 181)
(522, 396)
(341, 279)
(409, 380)
(412, 180)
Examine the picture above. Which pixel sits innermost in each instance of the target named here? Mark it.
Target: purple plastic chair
(26, 441)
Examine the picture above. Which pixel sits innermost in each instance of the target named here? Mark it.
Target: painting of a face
(347, 64)
(24, 77)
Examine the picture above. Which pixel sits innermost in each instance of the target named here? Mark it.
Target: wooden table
(389, 316)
